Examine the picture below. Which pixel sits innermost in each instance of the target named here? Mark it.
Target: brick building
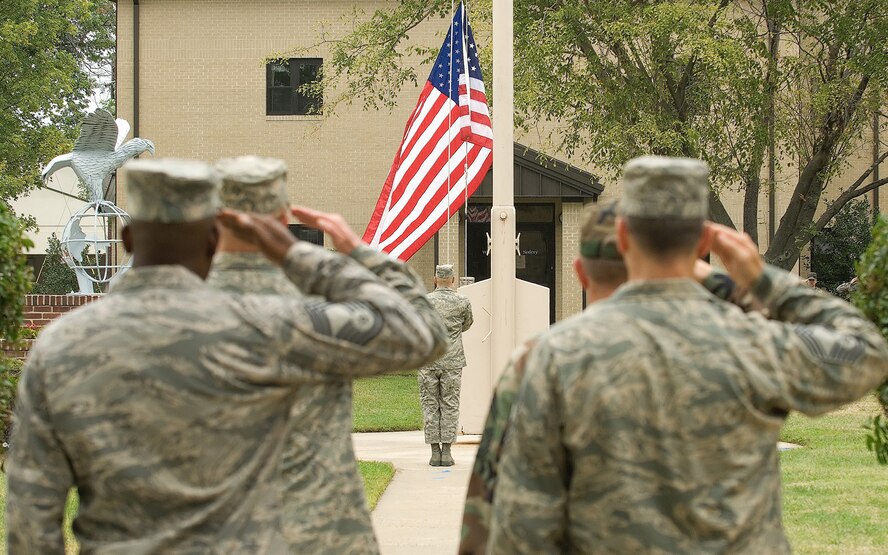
(192, 77)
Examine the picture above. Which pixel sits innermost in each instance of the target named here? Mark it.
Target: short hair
(600, 258)
(665, 238)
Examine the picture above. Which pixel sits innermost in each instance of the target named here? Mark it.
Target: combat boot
(436, 455)
(446, 459)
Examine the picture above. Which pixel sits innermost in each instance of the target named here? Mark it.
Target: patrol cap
(662, 187)
(597, 235)
(253, 184)
(444, 271)
(170, 190)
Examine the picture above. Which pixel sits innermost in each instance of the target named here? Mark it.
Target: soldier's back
(171, 432)
(667, 452)
(324, 508)
(455, 310)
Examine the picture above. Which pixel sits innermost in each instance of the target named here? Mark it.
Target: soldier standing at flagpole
(439, 381)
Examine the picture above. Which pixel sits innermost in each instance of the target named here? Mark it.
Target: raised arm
(38, 473)
(373, 316)
(818, 352)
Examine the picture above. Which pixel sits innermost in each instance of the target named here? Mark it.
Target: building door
(536, 229)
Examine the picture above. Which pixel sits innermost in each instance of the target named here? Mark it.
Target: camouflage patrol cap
(170, 190)
(597, 235)
(253, 184)
(444, 271)
(662, 187)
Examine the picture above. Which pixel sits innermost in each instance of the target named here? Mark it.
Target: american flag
(445, 153)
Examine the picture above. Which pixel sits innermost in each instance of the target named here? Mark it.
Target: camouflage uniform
(168, 403)
(324, 505)
(439, 381)
(482, 480)
(657, 435)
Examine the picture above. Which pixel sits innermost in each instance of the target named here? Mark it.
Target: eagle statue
(98, 152)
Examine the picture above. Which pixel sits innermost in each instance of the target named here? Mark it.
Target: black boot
(436, 455)
(446, 459)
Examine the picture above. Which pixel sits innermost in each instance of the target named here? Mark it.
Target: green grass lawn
(387, 403)
(835, 494)
(377, 476)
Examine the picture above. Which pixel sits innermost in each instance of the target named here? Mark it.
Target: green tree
(55, 278)
(736, 82)
(15, 275)
(836, 248)
(871, 297)
(51, 53)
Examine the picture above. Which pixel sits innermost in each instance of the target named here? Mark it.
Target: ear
(581, 273)
(706, 240)
(622, 235)
(127, 237)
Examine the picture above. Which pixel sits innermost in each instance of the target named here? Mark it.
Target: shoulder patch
(831, 348)
(353, 322)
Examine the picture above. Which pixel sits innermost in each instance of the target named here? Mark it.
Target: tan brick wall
(571, 292)
(202, 81)
(202, 96)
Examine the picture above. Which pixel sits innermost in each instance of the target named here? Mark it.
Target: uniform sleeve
(820, 352)
(529, 504)
(369, 315)
(468, 319)
(725, 288)
(38, 473)
(482, 480)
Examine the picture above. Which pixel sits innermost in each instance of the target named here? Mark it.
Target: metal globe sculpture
(90, 244)
(90, 237)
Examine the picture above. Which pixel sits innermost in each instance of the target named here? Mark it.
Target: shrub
(15, 275)
(871, 297)
(56, 278)
(836, 248)
(10, 369)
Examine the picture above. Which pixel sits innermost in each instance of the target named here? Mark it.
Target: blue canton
(441, 74)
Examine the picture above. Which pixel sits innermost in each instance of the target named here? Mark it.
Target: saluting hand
(344, 239)
(739, 253)
(271, 236)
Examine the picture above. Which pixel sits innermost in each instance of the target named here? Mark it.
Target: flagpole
(502, 217)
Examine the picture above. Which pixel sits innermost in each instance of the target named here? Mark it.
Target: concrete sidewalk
(421, 511)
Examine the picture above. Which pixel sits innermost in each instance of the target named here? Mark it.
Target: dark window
(307, 234)
(284, 81)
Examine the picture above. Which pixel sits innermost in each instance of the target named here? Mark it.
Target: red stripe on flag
(454, 207)
(425, 150)
(382, 201)
(439, 197)
(427, 179)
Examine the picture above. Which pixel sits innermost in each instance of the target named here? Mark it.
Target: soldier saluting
(648, 423)
(167, 403)
(324, 508)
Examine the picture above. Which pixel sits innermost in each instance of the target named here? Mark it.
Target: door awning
(541, 176)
